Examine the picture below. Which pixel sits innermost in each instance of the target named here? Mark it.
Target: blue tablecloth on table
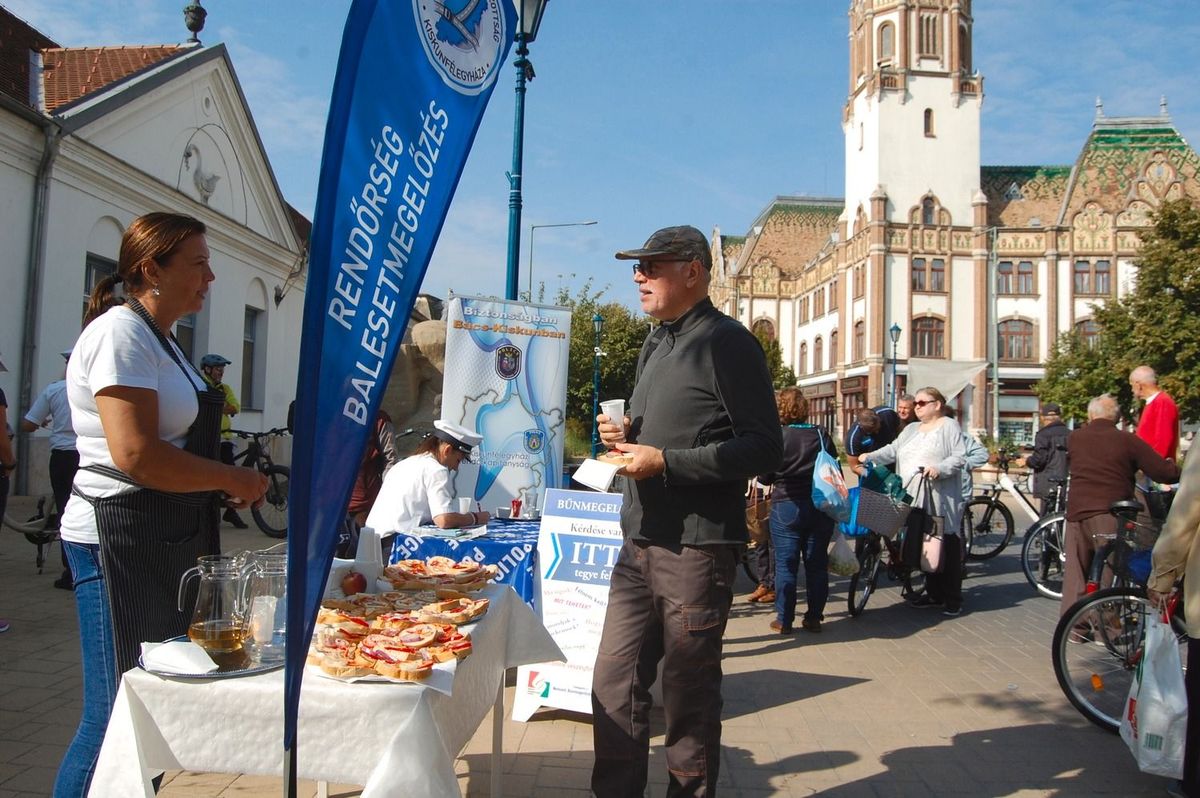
(509, 545)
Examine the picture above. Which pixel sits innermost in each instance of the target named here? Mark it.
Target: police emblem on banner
(462, 39)
(534, 440)
(508, 362)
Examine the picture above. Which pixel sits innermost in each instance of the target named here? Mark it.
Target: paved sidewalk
(897, 702)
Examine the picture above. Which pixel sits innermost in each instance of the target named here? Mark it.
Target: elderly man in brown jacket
(1103, 463)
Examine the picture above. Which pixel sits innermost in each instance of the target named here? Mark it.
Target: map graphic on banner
(506, 377)
(577, 549)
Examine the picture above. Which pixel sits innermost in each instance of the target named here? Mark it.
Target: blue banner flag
(413, 79)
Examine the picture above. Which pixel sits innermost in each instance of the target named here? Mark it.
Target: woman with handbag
(146, 500)
(934, 447)
(798, 529)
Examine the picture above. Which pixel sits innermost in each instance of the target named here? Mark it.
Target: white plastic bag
(1154, 723)
(841, 557)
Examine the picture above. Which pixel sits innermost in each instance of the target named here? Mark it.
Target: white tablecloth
(395, 739)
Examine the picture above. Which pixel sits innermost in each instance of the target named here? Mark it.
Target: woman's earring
(155, 291)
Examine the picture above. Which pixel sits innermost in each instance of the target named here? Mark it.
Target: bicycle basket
(879, 513)
(1158, 503)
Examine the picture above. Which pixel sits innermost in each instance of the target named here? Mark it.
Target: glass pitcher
(264, 598)
(218, 624)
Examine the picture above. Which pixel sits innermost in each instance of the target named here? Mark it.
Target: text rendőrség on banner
(369, 210)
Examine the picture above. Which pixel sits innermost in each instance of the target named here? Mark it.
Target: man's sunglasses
(648, 268)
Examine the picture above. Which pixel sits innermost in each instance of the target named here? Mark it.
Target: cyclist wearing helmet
(213, 368)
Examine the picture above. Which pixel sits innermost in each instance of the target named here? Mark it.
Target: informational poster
(506, 378)
(577, 549)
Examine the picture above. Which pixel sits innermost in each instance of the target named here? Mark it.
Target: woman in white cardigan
(936, 446)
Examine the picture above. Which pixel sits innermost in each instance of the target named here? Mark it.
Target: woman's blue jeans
(99, 671)
(799, 530)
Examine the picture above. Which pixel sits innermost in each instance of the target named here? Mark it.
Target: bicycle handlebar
(241, 433)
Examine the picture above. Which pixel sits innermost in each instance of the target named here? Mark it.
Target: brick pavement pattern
(897, 702)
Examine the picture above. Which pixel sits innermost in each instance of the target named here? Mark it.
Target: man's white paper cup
(614, 409)
(464, 505)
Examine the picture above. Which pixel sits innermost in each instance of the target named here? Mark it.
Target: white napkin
(177, 656)
(595, 474)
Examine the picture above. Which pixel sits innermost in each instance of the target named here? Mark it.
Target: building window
(1089, 333)
(928, 125)
(1004, 277)
(251, 398)
(887, 43)
(860, 340)
(964, 49)
(185, 336)
(804, 310)
(1016, 340)
(818, 354)
(764, 330)
(834, 354)
(928, 337)
(818, 302)
(96, 269)
(1025, 277)
(802, 366)
(833, 294)
(859, 282)
(930, 38)
(929, 275)
(927, 210)
(1093, 279)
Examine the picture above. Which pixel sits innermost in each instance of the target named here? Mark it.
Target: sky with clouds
(646, 114)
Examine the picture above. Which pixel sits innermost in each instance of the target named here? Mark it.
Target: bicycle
(41, 529)
(1043, 556)
(874, 553)
(272, 515)
(987, 524)
(1098, 642)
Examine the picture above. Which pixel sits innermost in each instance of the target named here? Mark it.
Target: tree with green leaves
(781, 376)
(1156, 324)
(621, 338)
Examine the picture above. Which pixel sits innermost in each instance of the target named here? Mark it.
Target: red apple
(353, 582)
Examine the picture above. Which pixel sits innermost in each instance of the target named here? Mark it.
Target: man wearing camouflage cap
(701, 421)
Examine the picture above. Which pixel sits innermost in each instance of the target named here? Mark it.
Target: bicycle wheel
(1043, 559)
(272, 515)
(862, 584)
(991, 528)
(1097, 647)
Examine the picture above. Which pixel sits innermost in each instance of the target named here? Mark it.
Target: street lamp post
(534, 227)
(531, 19)
(894, 334)
(597, 353)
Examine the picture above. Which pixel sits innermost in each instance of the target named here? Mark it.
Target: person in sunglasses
(701, 421)
(936, 447)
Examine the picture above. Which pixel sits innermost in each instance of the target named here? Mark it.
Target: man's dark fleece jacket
(1103, 462)
(704, 397)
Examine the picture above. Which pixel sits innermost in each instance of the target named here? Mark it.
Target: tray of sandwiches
(415, 629)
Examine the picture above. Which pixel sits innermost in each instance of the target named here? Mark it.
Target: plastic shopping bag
(1154, 723)
(829, 492)
(841, 557)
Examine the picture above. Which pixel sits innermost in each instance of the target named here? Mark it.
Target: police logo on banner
(508, 362)
(462, 39)
(534, 440)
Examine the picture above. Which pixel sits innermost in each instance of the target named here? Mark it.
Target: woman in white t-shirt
(142, 504)
(418, 489)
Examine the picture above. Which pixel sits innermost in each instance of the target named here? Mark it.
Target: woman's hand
(931, 472)
(246, 486)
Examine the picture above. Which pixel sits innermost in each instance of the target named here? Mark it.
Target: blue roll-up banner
(413, 79)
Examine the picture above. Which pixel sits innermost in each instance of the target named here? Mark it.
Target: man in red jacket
(1159, 424)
